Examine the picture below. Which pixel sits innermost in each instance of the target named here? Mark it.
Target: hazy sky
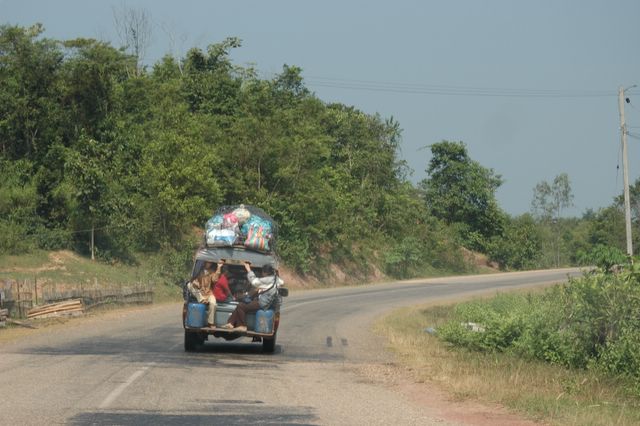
(529, 86)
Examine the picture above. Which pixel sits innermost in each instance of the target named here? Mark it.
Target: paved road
(129, 367)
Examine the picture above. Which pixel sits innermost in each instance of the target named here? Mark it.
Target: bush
(403, 258)
(520, 245)
(604, 257)
(591, 322)
(297, 253)
(497, 323)
(54, 238)
(18, 200)
(13, 238)
(173, 264)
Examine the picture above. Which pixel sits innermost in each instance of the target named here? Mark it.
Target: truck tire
(269, 345)
(190, 341)
(201, 339)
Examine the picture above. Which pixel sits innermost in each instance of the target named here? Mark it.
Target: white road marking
(117, 391)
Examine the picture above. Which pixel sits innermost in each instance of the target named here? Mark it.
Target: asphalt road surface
(129, 367)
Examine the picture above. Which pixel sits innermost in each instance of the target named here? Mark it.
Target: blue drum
(196, 315)
(264, 321)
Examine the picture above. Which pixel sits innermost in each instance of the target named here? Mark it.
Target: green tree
(144, 157)
(91, 74)
(547, 204)
(87, 171)
(177, 173)
(550, 199)
(29, 112)
(461, 192)
(18, 200)
(211, 86)
(520, 246)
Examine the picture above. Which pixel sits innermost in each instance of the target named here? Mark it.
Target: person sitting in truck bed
(221, 289)
(266, 290)
(201, 289)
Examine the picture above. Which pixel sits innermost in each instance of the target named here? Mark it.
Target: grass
(65, 267)
(537, 390)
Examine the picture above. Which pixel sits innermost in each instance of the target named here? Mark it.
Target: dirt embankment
(56, 261)
(335, 276)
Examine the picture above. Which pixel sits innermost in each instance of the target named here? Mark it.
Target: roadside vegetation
(74, 271)
(568, 354)
(97, 147)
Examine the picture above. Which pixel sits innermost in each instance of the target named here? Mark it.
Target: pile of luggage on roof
(247, 226)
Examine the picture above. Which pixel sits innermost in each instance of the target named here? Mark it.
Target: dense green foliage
(92, 142)
(143, 157)
(461, 192)
(591, 322)
(520, 245)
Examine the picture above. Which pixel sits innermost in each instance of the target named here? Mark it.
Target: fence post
(13, 297)
(19, 300)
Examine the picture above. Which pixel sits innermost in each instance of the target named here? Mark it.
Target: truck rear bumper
(229, 333)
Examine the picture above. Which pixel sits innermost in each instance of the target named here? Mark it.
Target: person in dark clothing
(266, 289)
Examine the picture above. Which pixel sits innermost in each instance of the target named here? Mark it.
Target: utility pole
(625, 171)
(93, 257)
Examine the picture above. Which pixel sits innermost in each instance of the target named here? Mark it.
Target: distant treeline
(90, 141)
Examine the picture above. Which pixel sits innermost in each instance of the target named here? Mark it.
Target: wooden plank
(53, 307)
(57, 314)
(58, 310)
(59, 305)
(53, 311)
(64, 302)
(36, 314)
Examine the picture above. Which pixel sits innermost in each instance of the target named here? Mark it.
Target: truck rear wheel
(190, 341)
(269, 345)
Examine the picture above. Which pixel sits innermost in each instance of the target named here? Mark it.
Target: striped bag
(257, 238)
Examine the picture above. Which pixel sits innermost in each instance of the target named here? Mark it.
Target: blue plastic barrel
(196, 315)
(264, 321)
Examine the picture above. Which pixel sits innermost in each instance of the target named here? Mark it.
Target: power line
(450, 90)
(80, 231)
(446, 90)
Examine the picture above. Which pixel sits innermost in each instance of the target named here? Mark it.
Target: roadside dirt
(438, 402)
(56, 262)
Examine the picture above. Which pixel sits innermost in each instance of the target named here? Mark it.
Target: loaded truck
(234, 235)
